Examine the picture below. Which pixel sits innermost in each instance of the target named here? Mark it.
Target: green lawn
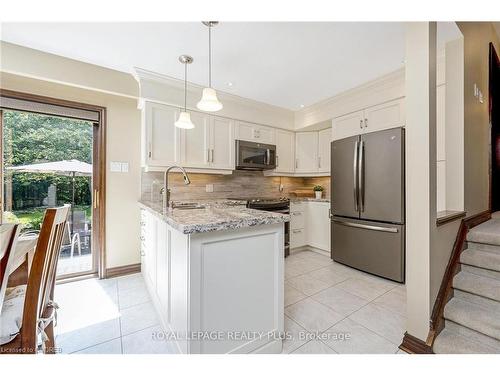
(32, 219)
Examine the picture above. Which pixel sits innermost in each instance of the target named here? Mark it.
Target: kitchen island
(215, 276)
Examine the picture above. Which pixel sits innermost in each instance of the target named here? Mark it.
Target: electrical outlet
(281, 187)
(209, 188)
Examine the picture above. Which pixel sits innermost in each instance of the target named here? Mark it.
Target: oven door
(255, 156)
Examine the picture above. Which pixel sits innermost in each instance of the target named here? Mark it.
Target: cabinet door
(318, 225)
(222, 144)
(196, 142)
(306, 152)
(324, 140)
(285, 154)
(264, 134)
(163, 267)
(162, 137)
(150, 250)
(347, 125)
(245, 131)
(384, 116)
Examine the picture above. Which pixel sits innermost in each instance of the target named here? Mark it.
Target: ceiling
(287, 64)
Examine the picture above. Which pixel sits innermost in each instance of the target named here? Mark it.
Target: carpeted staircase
(472, 316)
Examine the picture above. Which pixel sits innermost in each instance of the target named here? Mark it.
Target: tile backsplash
(239, 184)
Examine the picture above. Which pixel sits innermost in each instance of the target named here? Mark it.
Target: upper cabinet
(306, 152)
(383, 116)
(208, 147)
(161, 144)
(254, 133)
(285, 151)
(324, 140)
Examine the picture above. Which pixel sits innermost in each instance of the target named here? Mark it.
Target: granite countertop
(216, 216)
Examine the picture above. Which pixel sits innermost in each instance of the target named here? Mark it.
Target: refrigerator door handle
(361, 177)
(364, 226)
(355, 174)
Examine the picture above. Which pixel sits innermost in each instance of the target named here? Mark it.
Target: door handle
(361, 176)
(364, 226)
(268, 156)
(355, 176)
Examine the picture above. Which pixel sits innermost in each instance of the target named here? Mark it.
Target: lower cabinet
(227, 282)
(310, 224)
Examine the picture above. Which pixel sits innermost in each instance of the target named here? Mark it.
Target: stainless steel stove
(278, 205)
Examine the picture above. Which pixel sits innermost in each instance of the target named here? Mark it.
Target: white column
(420, 171)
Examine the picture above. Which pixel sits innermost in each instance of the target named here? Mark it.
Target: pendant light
(209, 101)
(184, 120)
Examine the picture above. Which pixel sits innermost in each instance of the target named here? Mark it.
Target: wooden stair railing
(414, 345)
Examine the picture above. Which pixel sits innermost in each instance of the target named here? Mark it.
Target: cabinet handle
(143, 224)
(297, 230)
(212, 155)
(296, 163)
(366, 122)
(277, 161)
(208, 155)
(150, 154)
(361, 124)
(319, 161)
(142, 238)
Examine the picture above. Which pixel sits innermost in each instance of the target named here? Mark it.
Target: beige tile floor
(329, 308)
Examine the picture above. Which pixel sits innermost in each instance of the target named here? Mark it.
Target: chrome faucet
(166, 189)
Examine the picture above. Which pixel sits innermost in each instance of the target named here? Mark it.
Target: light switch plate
(209, 188)
(115, 166)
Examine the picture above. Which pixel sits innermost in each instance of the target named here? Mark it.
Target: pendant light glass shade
(209, 101)
(184, 121)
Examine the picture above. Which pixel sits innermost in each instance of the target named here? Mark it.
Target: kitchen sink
(187, 206)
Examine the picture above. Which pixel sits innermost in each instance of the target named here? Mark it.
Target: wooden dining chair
(9, 233)
(39, 308)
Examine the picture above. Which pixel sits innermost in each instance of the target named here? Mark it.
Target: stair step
(481, 271)
(487, 232)
(449, 342)
(481, 259)
(483, 247)
(474, 298)
(480, 285)
(474, 317)
(473, 335)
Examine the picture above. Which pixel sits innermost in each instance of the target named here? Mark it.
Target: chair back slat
(41, 281)
(9, 233)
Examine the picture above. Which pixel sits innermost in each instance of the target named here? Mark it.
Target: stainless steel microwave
(255, 156)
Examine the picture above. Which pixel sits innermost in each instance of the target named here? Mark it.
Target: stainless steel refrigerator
(368, 203)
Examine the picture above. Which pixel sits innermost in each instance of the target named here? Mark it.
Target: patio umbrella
(71, 168)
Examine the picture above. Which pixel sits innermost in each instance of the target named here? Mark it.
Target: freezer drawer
(374, 247)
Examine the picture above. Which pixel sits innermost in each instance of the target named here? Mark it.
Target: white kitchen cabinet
(285, 151)
(384, 116)
(149, 243)
(194, 291)
(348, 125)
(254, 133)
(195, 142)
(310, 224)
(324, 139)
(209, 146)
(221, 143)
(318, 225)
(162, 139)
(306, 152)
(379, 117)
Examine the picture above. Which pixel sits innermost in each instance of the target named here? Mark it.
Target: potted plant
(318, 191)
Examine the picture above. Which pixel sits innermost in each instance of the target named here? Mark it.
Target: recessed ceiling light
(302, 106)
(230, 84)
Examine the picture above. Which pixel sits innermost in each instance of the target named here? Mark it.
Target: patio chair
(33, 304)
